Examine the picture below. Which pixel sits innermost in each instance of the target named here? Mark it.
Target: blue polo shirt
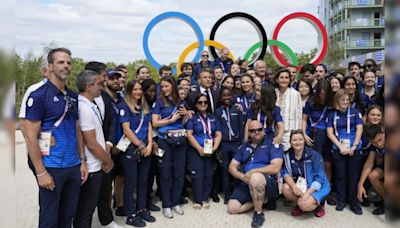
(47, 104)
(276, 115)
(265, 153)
(231, 123)
(167, 111)
(246, 100)
(316, 114)
(202, 127)
(139, 122)
(341, 128)
(115, 115)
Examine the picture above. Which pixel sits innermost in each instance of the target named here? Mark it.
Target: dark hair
(205, 70)
(379, 98)
(197, 98)
(121, 67)
(323, 66)
(180, 79)
(164, 68)
(372, 107)
(266, 104)
(352, 64)
(97, 67)
(371, 130)
(367, 71)
(322, 85)
(308, 84)
(141, 67)
(279, 72)
(357, 99)
(218, 67)
(186, 65)
(175, 91)
(308, 67)
(296, 132)
(370, 60)
(50, 55)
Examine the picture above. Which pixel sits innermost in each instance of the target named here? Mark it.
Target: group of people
(250, 133)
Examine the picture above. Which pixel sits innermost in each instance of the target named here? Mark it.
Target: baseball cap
(112, 72)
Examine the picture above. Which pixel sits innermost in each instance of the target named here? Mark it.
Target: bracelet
(83, 158)
(42, 174)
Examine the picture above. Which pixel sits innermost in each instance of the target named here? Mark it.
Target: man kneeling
(259, 161)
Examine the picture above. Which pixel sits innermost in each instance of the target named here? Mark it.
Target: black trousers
(104, 211)
(88, 199)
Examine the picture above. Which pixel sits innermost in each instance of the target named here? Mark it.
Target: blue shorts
(241, 192)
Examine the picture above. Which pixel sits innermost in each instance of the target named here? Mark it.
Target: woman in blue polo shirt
(247, 96)
(169, 115)
(204, 136)
(265, 111)
(316, 112)
(355, 97)
(344, 129)
(305, 179)
(135, 119)
(231, 122)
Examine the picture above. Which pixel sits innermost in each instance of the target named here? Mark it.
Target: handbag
(175, 137)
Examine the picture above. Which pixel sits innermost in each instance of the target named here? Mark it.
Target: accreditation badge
(160, 152)
(123, 143)
(208, 145)
(45, 142)
(345, 143)
(302, 184)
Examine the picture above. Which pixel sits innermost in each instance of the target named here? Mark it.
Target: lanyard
(206, 127)
(98, 115)
(59, 121)
(320, 118)
(348, 123)
(140, 123)
(226, 116)
(259, 119)
(298, 168)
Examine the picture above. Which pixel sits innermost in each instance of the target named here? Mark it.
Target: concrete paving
(216, 216)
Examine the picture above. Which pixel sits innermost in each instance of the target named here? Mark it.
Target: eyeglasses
(256, 130)
(202, 102)
(205, 55)
(368, 66)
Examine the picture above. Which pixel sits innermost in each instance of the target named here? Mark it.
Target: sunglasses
(202, 102)
(256, 130)
(205, 55)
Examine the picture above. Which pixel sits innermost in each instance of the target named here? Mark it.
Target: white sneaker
(168, 213)
(113, 225)
(177, 209)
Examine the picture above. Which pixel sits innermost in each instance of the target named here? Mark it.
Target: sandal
(205, 205)
(197, 206)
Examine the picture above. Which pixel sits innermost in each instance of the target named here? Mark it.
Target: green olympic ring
(292, 56)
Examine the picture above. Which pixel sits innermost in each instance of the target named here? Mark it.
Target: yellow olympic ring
(196, 45)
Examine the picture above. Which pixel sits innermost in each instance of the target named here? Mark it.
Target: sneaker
(167, 212)
(379, 211)
(177, 209)
(153, 207)
(135, 221)
(356, 209)
(331, 201)
(320, 211)
(340, 206)
(215, 198)
(258, 219)
(112, 225)
(184, 200)
(297, 211)
(120, 211)
(146, 216)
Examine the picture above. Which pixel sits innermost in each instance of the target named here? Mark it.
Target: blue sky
(113, 30)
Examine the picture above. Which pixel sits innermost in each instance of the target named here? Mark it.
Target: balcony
(364, 3)
(365, 22)
(365, 44)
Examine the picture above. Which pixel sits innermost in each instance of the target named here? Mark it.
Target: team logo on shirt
(30, 102)
(55, 99)
(121, 112)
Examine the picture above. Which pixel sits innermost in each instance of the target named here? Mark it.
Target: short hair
(256, 63)
(205, 70)
(43, 64)
(97, 67)
(50, 56)
(186, 65)
(323, 66)
(141, 67)
(352, 64)
(308, 67)
(296, 132)
(164, 67)
(121, 67)
(218, 67)
(371, 130)
(371, 60)
(84, 78)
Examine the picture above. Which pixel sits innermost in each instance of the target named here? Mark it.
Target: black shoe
(379, 211)
(331, 201)
(146, 216)
(356, 209)
(135, 221)
(226, 201)
(365, 202)
(258, 219)
(184, 200)
(270, 205)
(153, 207)
(120, 211)
(340, 206)
(215, 198)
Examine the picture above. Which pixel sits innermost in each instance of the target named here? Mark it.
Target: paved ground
(216, 216)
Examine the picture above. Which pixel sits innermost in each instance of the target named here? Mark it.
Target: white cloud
(112, 30)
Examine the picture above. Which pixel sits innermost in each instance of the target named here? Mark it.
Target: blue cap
(112, 72)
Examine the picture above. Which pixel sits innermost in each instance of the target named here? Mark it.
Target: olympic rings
(253, 21)
(263, 43)
(162, 17)
(196, 45)
(316, 23)
(290, 54)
